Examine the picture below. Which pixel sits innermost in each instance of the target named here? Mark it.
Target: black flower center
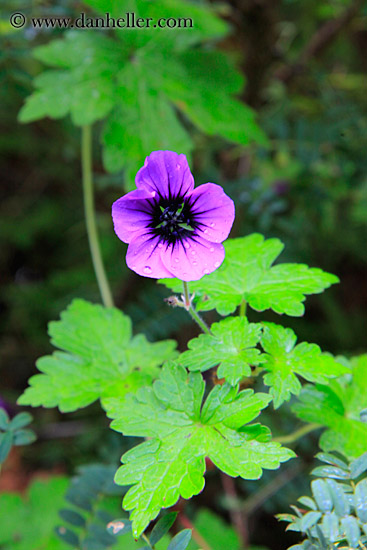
(173, 220)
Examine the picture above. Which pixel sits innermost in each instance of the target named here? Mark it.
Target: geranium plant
(204, 407)
(149, 390)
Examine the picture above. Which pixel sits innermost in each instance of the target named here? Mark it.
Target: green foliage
(132, 81)
(182, 432)
(162, 527)
(218, 534)
(158, 537)
(284, 359)
(339, 406)
(247, 274)
(337, 513)
(26, 523)
(84, 87)
(12, 432)
(94, 500)
(211, 528)
(231, 345)
(99, 359)
(180, 541)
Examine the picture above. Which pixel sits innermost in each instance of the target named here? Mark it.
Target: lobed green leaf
(100, 359)
(231, 346)
(284, 360)
(247, 274)
(337, 406)
(182, 433)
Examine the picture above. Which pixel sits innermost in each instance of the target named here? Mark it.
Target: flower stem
(190, 308)
(291, 438)
(238, 519)
(90, 218)
(243, 307)
(145, 539)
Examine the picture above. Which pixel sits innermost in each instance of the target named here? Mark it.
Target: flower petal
(192, 259)
(144, 256)
(132, 213)
(167, 173)
(213, 210)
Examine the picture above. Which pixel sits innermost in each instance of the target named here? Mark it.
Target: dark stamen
(172, 220)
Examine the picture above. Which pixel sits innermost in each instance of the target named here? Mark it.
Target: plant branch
(192, 311)
(238, 518)
(90, 217)
(145, 539)
(291, 438)
(243, 308)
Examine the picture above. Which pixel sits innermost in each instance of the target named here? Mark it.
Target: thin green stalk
(189, 307)
(90, 217)
(291, 438)
(145, 538)
(243, 307)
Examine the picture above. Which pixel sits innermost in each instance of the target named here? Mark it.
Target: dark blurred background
(305, 68)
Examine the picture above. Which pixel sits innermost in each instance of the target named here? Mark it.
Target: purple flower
(173, 230)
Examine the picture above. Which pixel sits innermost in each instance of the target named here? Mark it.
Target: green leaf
(85, 88)
(172, 462)
(360, 500)
(331, 472)
(139, 84)
(99, 536)
(100, 359)
(309, 520)
(6, 442)
(24, 437)
(309, 502)
(50, 99)
(358, 466)
(215, 531)
(231, 346)
(330, 526)
(68, 536)
(20, 420)
(4, 419)
(322, 495)
(340, 499)
(27, 522)
(337, 406)
(320, 535)
(135, 126)
(247, 274)
(72, 517)
(180, 541)
(207, 23)
(352, 531)
(83, 51)
(333, 460)
(96, 500)
(162, 527)
(284, 360)
(210, 107)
